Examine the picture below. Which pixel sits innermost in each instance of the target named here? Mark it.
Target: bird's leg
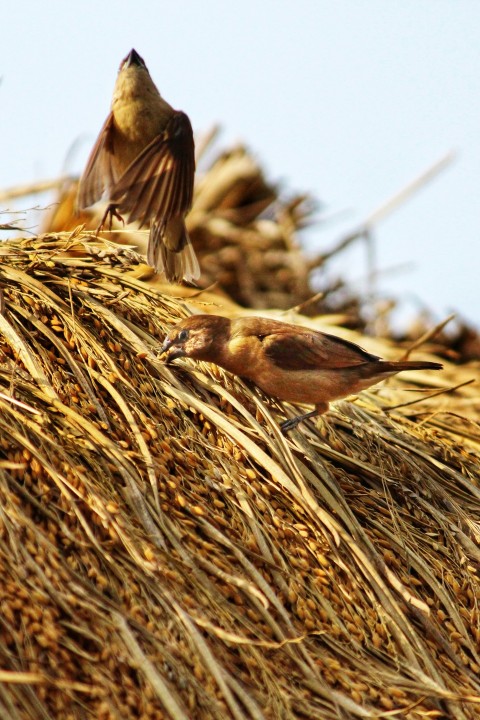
(292, 423)
(110, 212)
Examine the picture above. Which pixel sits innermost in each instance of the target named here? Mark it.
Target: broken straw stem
(387, 207)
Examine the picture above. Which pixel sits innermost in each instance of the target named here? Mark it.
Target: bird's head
(133, 59)
(133, 79)
(200, 337)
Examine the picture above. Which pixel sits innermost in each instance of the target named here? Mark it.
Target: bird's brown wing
(158, 184)
(99, 174)
(313, 350)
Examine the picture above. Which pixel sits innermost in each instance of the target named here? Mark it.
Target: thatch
(167, 553)
(244, 236)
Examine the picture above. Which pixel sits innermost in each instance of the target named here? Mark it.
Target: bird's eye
(183, 335)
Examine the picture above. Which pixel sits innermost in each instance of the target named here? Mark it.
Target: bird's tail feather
(397, 366)
(170, 251)
(389, 367)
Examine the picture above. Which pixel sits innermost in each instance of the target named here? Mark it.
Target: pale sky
(346, 99)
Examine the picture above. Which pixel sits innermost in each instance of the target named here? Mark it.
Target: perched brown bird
(144, 160)
(286, 361)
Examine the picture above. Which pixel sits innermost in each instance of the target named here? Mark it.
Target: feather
(158, 184)
(100, 173)
(297, 348)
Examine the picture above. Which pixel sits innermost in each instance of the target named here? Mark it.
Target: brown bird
(286, 361)
(144, 160)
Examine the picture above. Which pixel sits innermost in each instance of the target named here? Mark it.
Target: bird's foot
(292, 423)
(110, 213)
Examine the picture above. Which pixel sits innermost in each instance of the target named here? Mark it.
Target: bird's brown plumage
(144, 161)
(286, 361)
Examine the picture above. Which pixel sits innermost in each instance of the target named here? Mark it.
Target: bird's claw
(292, 423)
(110, 213)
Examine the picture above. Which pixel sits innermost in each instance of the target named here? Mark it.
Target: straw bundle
(167, 553)
(244, 235)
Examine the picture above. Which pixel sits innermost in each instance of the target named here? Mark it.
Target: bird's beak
(133, 58)
(172, 352)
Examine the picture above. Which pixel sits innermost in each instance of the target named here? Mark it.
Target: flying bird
(286, 361)
(144, 161)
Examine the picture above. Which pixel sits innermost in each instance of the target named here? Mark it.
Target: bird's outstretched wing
(158, 185)
(99, 174)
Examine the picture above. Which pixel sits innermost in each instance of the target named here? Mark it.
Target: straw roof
(167, 553)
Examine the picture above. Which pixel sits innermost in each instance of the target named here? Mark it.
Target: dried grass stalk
(166, 552)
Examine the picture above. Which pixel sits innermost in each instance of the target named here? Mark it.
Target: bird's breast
(245, 356)
(136, 121)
